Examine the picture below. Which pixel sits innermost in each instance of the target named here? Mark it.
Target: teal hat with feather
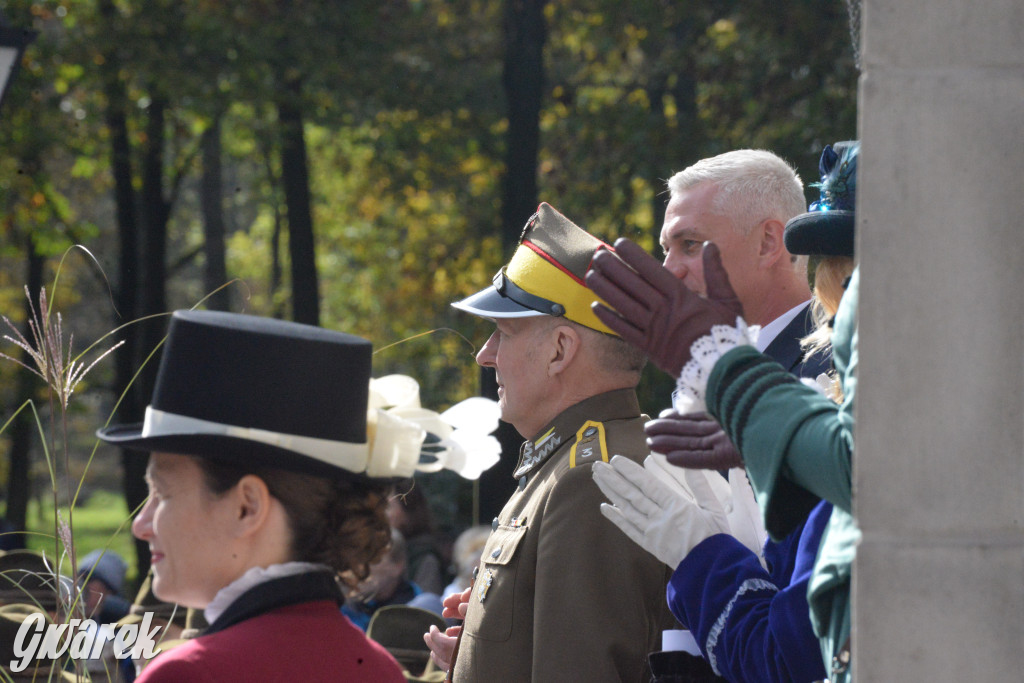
(827, 227)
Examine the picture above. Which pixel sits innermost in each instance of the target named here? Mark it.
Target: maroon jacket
(302, 641)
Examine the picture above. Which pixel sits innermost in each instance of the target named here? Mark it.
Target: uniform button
(494, 524)
(476, 570)
(522, 482)
(496, 553)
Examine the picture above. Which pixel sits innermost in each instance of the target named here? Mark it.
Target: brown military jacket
(561, 594)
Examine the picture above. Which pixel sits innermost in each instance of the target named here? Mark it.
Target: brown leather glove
(694, 440)
(653, 310)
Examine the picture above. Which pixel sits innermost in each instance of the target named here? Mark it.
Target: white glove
(713, 492)
(745, 519)
(736, 498)
(658, 465)
(658, 514)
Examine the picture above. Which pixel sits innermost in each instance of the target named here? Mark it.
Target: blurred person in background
(466, 552)
(101, 577)
(409, 512)
(388, 584)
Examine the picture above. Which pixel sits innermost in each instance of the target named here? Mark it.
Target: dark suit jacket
(785, 348)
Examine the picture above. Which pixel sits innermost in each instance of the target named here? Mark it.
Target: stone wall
(939, 466)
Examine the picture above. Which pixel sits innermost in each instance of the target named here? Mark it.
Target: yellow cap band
(538, 276)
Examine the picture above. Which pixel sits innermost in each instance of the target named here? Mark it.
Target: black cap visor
(506, 299)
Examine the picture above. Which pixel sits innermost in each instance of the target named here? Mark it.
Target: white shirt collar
(254, 576)
(770, 331)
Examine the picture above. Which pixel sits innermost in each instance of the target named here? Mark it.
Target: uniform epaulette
(590, 445)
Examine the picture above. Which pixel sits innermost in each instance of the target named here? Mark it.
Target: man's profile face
(689, 222)
(516, 351)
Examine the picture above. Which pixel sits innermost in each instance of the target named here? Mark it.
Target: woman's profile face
(188, 529)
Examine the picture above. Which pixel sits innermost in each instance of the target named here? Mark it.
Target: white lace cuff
(705, 352)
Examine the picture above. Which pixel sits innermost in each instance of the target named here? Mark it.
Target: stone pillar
(939, 467)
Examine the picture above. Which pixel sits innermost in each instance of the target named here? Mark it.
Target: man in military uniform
(560, 594)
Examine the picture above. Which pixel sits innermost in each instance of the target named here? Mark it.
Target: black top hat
(257, 391)
(827, 227)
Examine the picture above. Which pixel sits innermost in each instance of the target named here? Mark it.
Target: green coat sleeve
(797, 445)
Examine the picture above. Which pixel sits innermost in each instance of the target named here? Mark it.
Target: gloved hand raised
(653, 310)
(657, 512)
(734, 496)
(693, 440)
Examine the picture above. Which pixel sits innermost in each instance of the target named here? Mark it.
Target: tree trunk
(125, 358)
(687, 135)
(674, 145)
(155, 212)
(19, 475)
(525, 34)
(295, 179)
(215, 272)
(654, 170)
(267, 154)
(523, 80)
(151, 260)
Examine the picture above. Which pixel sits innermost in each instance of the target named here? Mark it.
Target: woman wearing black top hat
(265, 495)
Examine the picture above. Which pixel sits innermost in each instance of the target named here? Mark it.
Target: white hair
(753, 185)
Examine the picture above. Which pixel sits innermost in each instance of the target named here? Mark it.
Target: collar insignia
(535, 452)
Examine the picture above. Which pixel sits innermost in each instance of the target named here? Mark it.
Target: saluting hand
(652, 309)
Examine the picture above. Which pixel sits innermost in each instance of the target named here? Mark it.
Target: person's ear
(772, 246)
(566, 344)
(252, 504)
